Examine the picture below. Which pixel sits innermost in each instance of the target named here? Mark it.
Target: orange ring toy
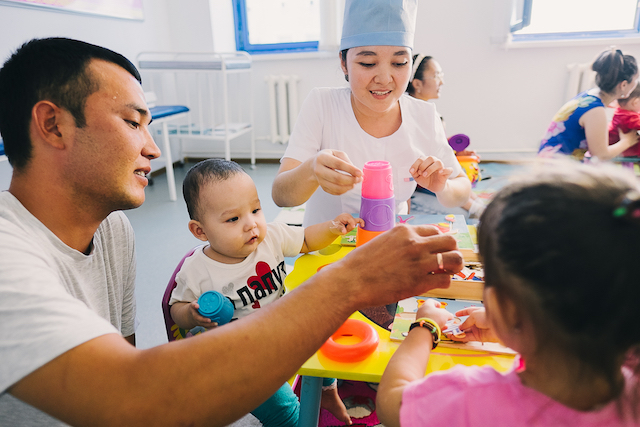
(355, 352)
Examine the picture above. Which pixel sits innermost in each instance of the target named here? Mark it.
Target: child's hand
(476, 327)
(432, 309)
(430, 173)
(197, 318)
(344, 223)
(467, 153)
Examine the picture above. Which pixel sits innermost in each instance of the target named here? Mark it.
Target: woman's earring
(346, 77)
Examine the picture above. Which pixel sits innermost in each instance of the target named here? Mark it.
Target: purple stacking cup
(378, 214)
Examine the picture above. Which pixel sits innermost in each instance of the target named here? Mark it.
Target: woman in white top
(340, 129)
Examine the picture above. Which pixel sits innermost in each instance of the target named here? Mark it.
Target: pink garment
(626, 121)
(481, 396)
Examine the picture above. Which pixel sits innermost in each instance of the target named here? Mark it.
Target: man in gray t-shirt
(75, 127)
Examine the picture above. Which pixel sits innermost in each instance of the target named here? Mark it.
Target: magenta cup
(377, 180)
(216, 307)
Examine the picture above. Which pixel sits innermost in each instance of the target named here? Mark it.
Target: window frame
(564, 36)
(241, 30)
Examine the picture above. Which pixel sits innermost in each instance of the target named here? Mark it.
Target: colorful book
(456, 225)
(406, 315)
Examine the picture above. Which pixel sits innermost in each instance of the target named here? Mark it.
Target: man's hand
(396, 264)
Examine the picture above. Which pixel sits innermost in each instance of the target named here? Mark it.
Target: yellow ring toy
(355, 352)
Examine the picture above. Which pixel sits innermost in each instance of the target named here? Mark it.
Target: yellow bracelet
(431, 325)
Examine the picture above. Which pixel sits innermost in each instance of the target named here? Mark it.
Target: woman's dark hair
(53, 69)
(562, 244)
(422, 67)
(613, 67)
(343, 57)
(201, 174)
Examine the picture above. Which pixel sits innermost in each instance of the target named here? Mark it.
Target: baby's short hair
(634, 94)
(202, 173)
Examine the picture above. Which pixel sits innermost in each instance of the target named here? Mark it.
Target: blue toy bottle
(216, 307)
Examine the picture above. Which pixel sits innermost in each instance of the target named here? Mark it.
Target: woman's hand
(334, 172)
(476, 327)
(433, 310)
(628, 139)
(430, 173)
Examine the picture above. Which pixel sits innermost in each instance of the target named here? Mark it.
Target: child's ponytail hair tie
(629, 207)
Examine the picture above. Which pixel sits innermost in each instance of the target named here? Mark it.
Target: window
(264, 26)
(574, 19)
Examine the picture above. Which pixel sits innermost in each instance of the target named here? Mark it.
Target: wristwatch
(431, 325)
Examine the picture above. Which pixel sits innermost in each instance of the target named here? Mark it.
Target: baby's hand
(432, 309)
(430, 173)
(198, 319)
(344, 223)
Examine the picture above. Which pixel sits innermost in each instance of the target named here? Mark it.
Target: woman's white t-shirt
(327, 120)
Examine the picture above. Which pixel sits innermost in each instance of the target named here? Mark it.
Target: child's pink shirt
(473, 396)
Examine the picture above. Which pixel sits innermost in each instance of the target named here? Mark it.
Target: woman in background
(426, 81)
(581, 125)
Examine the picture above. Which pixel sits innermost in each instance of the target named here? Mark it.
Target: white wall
(502, 98)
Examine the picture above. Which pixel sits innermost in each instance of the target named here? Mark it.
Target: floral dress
(565, 135)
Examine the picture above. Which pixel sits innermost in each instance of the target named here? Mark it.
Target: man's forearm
(225, 373)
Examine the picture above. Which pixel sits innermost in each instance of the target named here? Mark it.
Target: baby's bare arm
(321, 235)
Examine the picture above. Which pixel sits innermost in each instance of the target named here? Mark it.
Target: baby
(244, 260)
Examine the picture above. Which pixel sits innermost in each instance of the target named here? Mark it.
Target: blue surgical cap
(378, 23)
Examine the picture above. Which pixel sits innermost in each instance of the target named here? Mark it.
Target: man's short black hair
(53, 69)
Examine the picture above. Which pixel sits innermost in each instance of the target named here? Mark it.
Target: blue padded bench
(161, 114)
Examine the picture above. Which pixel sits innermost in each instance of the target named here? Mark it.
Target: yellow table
(370, 369)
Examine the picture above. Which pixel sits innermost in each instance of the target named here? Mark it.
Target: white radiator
(283, 106)
(581, 78)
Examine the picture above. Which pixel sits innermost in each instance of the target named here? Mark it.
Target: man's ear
(46, 122)
(196, 229)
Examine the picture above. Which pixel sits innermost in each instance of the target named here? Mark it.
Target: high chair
(174, 332)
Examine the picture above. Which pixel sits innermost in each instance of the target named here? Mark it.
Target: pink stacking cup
(377, 180)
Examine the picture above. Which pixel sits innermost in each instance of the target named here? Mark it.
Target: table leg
(310, 394)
